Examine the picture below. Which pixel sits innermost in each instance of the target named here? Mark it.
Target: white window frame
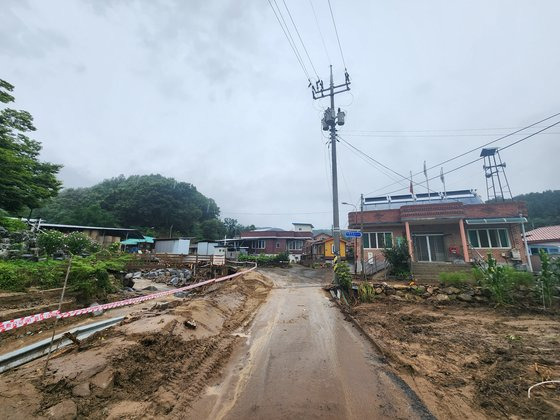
(293, 245)
(486, 232)
(257, 244)
(376, 239)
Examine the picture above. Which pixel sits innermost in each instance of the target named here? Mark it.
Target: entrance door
(429, 247)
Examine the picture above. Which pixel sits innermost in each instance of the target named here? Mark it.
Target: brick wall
(516, 241)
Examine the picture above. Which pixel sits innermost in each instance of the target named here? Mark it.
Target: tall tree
(24, 180)
(148, 202)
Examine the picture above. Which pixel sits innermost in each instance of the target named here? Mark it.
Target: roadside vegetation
(398, 260)
(266, 260)
(92, 268)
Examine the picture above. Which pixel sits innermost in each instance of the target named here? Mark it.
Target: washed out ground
(468, 360)
(152, 365)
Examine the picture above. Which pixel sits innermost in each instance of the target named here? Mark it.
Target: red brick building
(445, 231)
(275, 241)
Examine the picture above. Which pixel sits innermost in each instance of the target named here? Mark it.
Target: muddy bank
(468, 361)
(154, 364)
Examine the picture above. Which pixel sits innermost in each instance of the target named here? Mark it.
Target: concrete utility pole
(329, 122)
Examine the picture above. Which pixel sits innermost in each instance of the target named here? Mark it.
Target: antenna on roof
(494, 170)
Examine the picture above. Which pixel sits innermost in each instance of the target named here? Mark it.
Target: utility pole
(329, 122)
(362, 238)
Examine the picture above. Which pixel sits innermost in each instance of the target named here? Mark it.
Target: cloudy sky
(209, 92)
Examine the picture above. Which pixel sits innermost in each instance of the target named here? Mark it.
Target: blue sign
(352, 234)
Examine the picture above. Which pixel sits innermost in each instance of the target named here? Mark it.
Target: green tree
(148, 202)
(24, 180)
(234, 228)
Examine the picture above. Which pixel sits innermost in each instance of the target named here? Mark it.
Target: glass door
(429, 247)
(421, 249)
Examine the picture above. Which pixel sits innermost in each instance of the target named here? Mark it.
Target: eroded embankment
(154, 364)
(470, 361)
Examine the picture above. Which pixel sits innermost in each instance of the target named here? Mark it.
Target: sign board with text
(352, 234)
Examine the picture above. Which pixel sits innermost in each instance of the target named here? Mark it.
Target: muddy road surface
(302, 359)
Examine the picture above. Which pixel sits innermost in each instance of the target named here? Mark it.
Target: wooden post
(464, 241)
(409, 240)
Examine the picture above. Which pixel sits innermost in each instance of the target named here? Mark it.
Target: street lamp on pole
(355, 240)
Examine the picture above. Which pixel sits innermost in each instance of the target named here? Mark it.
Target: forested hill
(544, 207)
(153, 203)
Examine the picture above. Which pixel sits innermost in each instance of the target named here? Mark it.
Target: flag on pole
(425, 170)
(411, 189)
(442, 177)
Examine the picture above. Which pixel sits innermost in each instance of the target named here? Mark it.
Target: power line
(480, 158)
(385, 166)
(434, 130)
(301, 40)
(444, 136)
(320, 32)
(337, 38)
(475, 149)
(288, 37)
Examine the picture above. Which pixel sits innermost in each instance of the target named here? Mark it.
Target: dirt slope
(469, 361)
(152, 365)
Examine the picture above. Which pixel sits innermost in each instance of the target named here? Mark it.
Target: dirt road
(301, 359)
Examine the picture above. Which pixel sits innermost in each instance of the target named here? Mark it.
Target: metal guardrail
(41, 348)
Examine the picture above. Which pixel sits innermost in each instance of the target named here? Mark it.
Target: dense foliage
(89, 276)
(153, 203)
(263, 259)
(234, 228)
(502, 280)
(549, 278)
(398, 258)
(25, 182)
(543, 207)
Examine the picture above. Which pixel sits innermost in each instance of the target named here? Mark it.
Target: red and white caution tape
(31, 319)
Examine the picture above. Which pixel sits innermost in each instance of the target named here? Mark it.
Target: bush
(503, 280)
(263, 259)
(366, 292)
(456, 278)
(51, 242)
(398, 259)
(12, 225)
(78, 243)
(89, 277)
(343, 276)
(549, 277)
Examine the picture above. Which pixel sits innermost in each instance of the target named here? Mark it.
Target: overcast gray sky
(209, 92)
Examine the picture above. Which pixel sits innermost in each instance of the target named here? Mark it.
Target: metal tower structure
(497, 185)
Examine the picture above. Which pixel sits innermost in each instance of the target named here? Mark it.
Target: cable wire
(405, 178)
(288, 36)
(300, 39)
(475, 149)
(320, 32)
(480, 158)
(337, 38)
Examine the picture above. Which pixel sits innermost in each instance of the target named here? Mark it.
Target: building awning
(496, 221)
(147, 240)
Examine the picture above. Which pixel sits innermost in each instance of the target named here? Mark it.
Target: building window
(489, 238)
(260, 244)
(378, 239)
(277, 244)
(296, 245)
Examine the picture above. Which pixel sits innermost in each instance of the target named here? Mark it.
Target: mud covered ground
(468, 361)
(152, 365)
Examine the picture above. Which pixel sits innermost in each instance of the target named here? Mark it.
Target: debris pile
(175, 277)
